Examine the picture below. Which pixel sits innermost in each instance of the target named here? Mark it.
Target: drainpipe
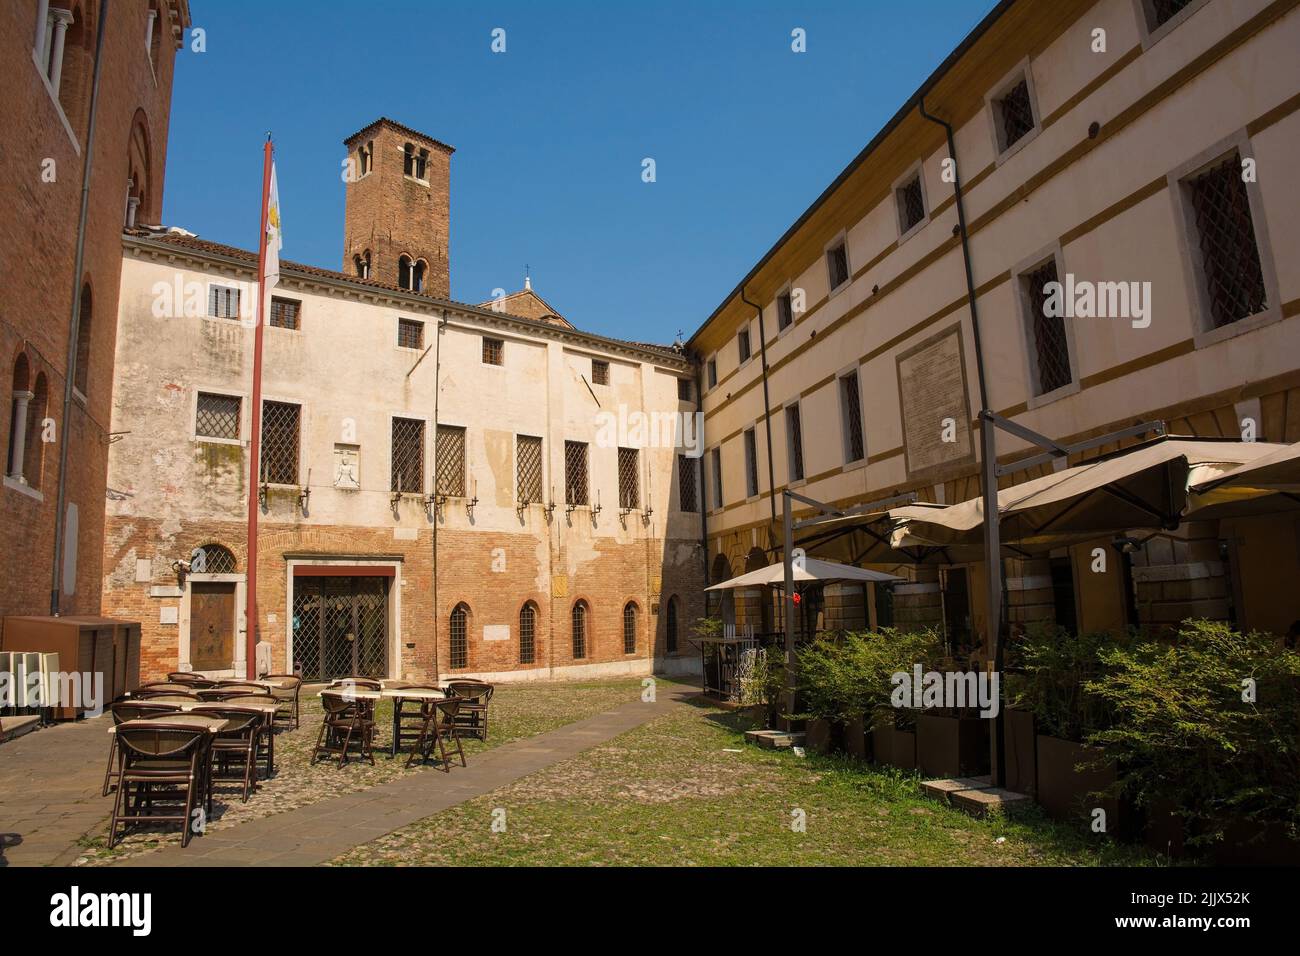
(437, 376)
(702, 493)
(767, 411)
(74, 324)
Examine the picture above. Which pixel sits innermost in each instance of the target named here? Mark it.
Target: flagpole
(255, 439)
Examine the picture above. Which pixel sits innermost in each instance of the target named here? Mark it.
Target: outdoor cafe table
(395, 694)
(184, 707)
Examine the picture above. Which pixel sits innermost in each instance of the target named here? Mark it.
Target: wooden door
(212, 626)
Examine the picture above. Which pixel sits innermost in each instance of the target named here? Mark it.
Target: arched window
(82, 376)
(20, 399)
(404, 272)
(138, 206)
(362, 264)
(459, 643)
(670, 625)
(26, 457)
(528, 633)
(629, 627)
(365, 156)
(417, 275)
(408, 159)
(212, 559)
(580, 630)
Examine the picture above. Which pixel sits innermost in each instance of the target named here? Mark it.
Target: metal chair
(474, 695)
(343, 722)
(239, 740)
(439, 726)
(286, 695)
(131, 710)
(153, 754)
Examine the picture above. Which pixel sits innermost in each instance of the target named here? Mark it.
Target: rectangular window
(837, 263)
(527, 634)
(450, 459)
(751, 463)
(911, 204)
(410, 334)
(1015, 114)
(629, 478)
(717, 477)
(851, 408)
(784, 311)
(742, 342)
(281, 422)
(683, 389)
(1051, 350)
(458, 645)
(599, 372)
(408, 456)
(1160, 12)
(713, 373)
(794, 435)
(494, 351)
(1229, 254)
(284, 313)
(688, 494)
(528, 468)
(217, 416)
(223, 302)
(575, 472)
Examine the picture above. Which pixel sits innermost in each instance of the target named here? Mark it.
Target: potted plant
(763, 689)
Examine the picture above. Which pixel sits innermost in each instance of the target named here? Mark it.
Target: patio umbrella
(1268, 484)
(810, 570)
(1141, 487)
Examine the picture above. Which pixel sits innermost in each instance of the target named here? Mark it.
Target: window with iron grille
(784, 311)
(599, 372)
(1161, 12)
(742, 342)
(408, 456)
(629, 628)
(751, 463)
(575, 472)
(837, 263)
(212, 559)
(223, 302)
(527, 633)
(629, 478)
(688, 494)
(494, 351)
(528, 468)
(579, 630)
(1051, 349)
(683, 389)
(217, 416)
(851, 407)
(1015, 114)
(459, 643)
(717, 477)
(911, 204)
(280, 429)
(794, 434)
(410, 334)
(670, 627)
(450, 455)
(1233, 276)
(713, 373)
(284, 313)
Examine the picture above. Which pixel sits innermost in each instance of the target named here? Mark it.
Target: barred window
(575, 473)
(284, 313)
(837, 263)
(794, 434)
(717, 477)
(751, 463)
(629, 478)
(784, 311)
(599, 372)
(629, 628)
(212, 559)
(527, 633)
(1015, 114)
(408, 456)
(580, 630)
(280, 434)
(217, 416)
(742, 343)
(911, 204)
(1051, 351)
(851, 407)
(528, 468)
(451, 461)
(683, 389)
(223, 302)
(670, 625)
(688, 494)
(494, 351)
(459, 643)
(1233, 276)
(713, 373)
(410, 334)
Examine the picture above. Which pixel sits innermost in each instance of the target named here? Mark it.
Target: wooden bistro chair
(286, 696)
(165, 696)
(439, 726)
(266, 737)
(159, 766)
(344, 723)
(238, 742)
(164, 687)
(474, 695)
(131, 710)
(186, 677)
(409, 714)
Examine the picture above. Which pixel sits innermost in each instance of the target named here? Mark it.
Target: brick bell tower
(397, 214)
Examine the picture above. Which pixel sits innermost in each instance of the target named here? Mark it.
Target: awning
(1142, 487)
(806, 571)
(1268, 484)
(865, 539)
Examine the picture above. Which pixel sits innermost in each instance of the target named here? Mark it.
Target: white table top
(210, 724)
(388, 693)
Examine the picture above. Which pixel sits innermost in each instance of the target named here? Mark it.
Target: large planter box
(1254, 844)
(952, 746)
(1064, 791)
(856, 743)
(818, 735)
(1164, 832)
(894, 748)
(1020, 751)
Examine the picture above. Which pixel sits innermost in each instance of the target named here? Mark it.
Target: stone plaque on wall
(933, 397)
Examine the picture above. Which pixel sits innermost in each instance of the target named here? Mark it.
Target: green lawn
(686, 790)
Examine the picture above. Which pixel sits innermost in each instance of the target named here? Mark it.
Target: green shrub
(1050, 668)
(846, 674)
(1183, 734)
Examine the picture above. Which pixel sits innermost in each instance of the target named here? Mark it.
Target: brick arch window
(629, 627)
(528, 633)
(26, 453)
(19, 400)
(581, 614)
(418, 271)
(70, 59)
(361, 263)
(404, 272)
(212, 559)
(139, 207)
(82, 377)
(670, 626)
(458, 645)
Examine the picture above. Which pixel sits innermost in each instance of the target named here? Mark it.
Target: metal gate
(340, 627)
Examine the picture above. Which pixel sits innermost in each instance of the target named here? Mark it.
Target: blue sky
(550, 135)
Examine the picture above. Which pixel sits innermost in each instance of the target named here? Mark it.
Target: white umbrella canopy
(1269, 483)
(1143, 487)
(805, 571)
